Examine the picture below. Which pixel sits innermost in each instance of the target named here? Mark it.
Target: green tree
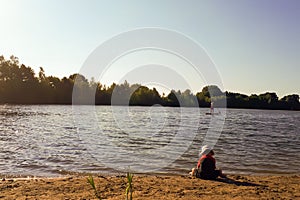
(173, 98)
(144, 96)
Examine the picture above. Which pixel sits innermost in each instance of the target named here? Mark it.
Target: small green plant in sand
(129, 189)
(91, 181)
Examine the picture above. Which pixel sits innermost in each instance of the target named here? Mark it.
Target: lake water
(56, 140)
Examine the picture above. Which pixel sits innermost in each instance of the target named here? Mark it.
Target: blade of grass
(129, 189)
(91, 181)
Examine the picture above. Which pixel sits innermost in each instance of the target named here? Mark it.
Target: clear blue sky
(254, 43)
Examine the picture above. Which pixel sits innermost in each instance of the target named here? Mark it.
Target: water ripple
(43, 140)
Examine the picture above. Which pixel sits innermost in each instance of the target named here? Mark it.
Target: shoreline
(153, 187)
(120, 174)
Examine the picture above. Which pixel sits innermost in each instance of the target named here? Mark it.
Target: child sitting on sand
(206, 167)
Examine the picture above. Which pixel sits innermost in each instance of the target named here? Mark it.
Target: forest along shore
(17, 79)
(154, 187)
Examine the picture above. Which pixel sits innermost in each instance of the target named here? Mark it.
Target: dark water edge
(167, 106)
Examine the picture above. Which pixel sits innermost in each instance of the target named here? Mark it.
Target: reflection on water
(44, 140)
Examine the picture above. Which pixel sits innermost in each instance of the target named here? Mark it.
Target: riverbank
(154, 187)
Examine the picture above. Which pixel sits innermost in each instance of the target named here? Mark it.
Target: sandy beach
(153, 187)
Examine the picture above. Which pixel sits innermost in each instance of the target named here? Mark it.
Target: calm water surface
(54, 140)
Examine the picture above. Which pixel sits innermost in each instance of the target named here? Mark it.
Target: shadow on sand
(237, 183)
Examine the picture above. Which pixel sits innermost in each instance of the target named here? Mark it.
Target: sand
(154, 187)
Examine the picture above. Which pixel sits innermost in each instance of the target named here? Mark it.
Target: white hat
(205, 150)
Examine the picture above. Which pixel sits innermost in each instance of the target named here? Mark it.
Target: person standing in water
(212, 107)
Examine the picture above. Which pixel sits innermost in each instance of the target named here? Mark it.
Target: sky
(254, 44)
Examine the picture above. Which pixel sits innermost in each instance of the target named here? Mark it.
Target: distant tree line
(20, 85)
